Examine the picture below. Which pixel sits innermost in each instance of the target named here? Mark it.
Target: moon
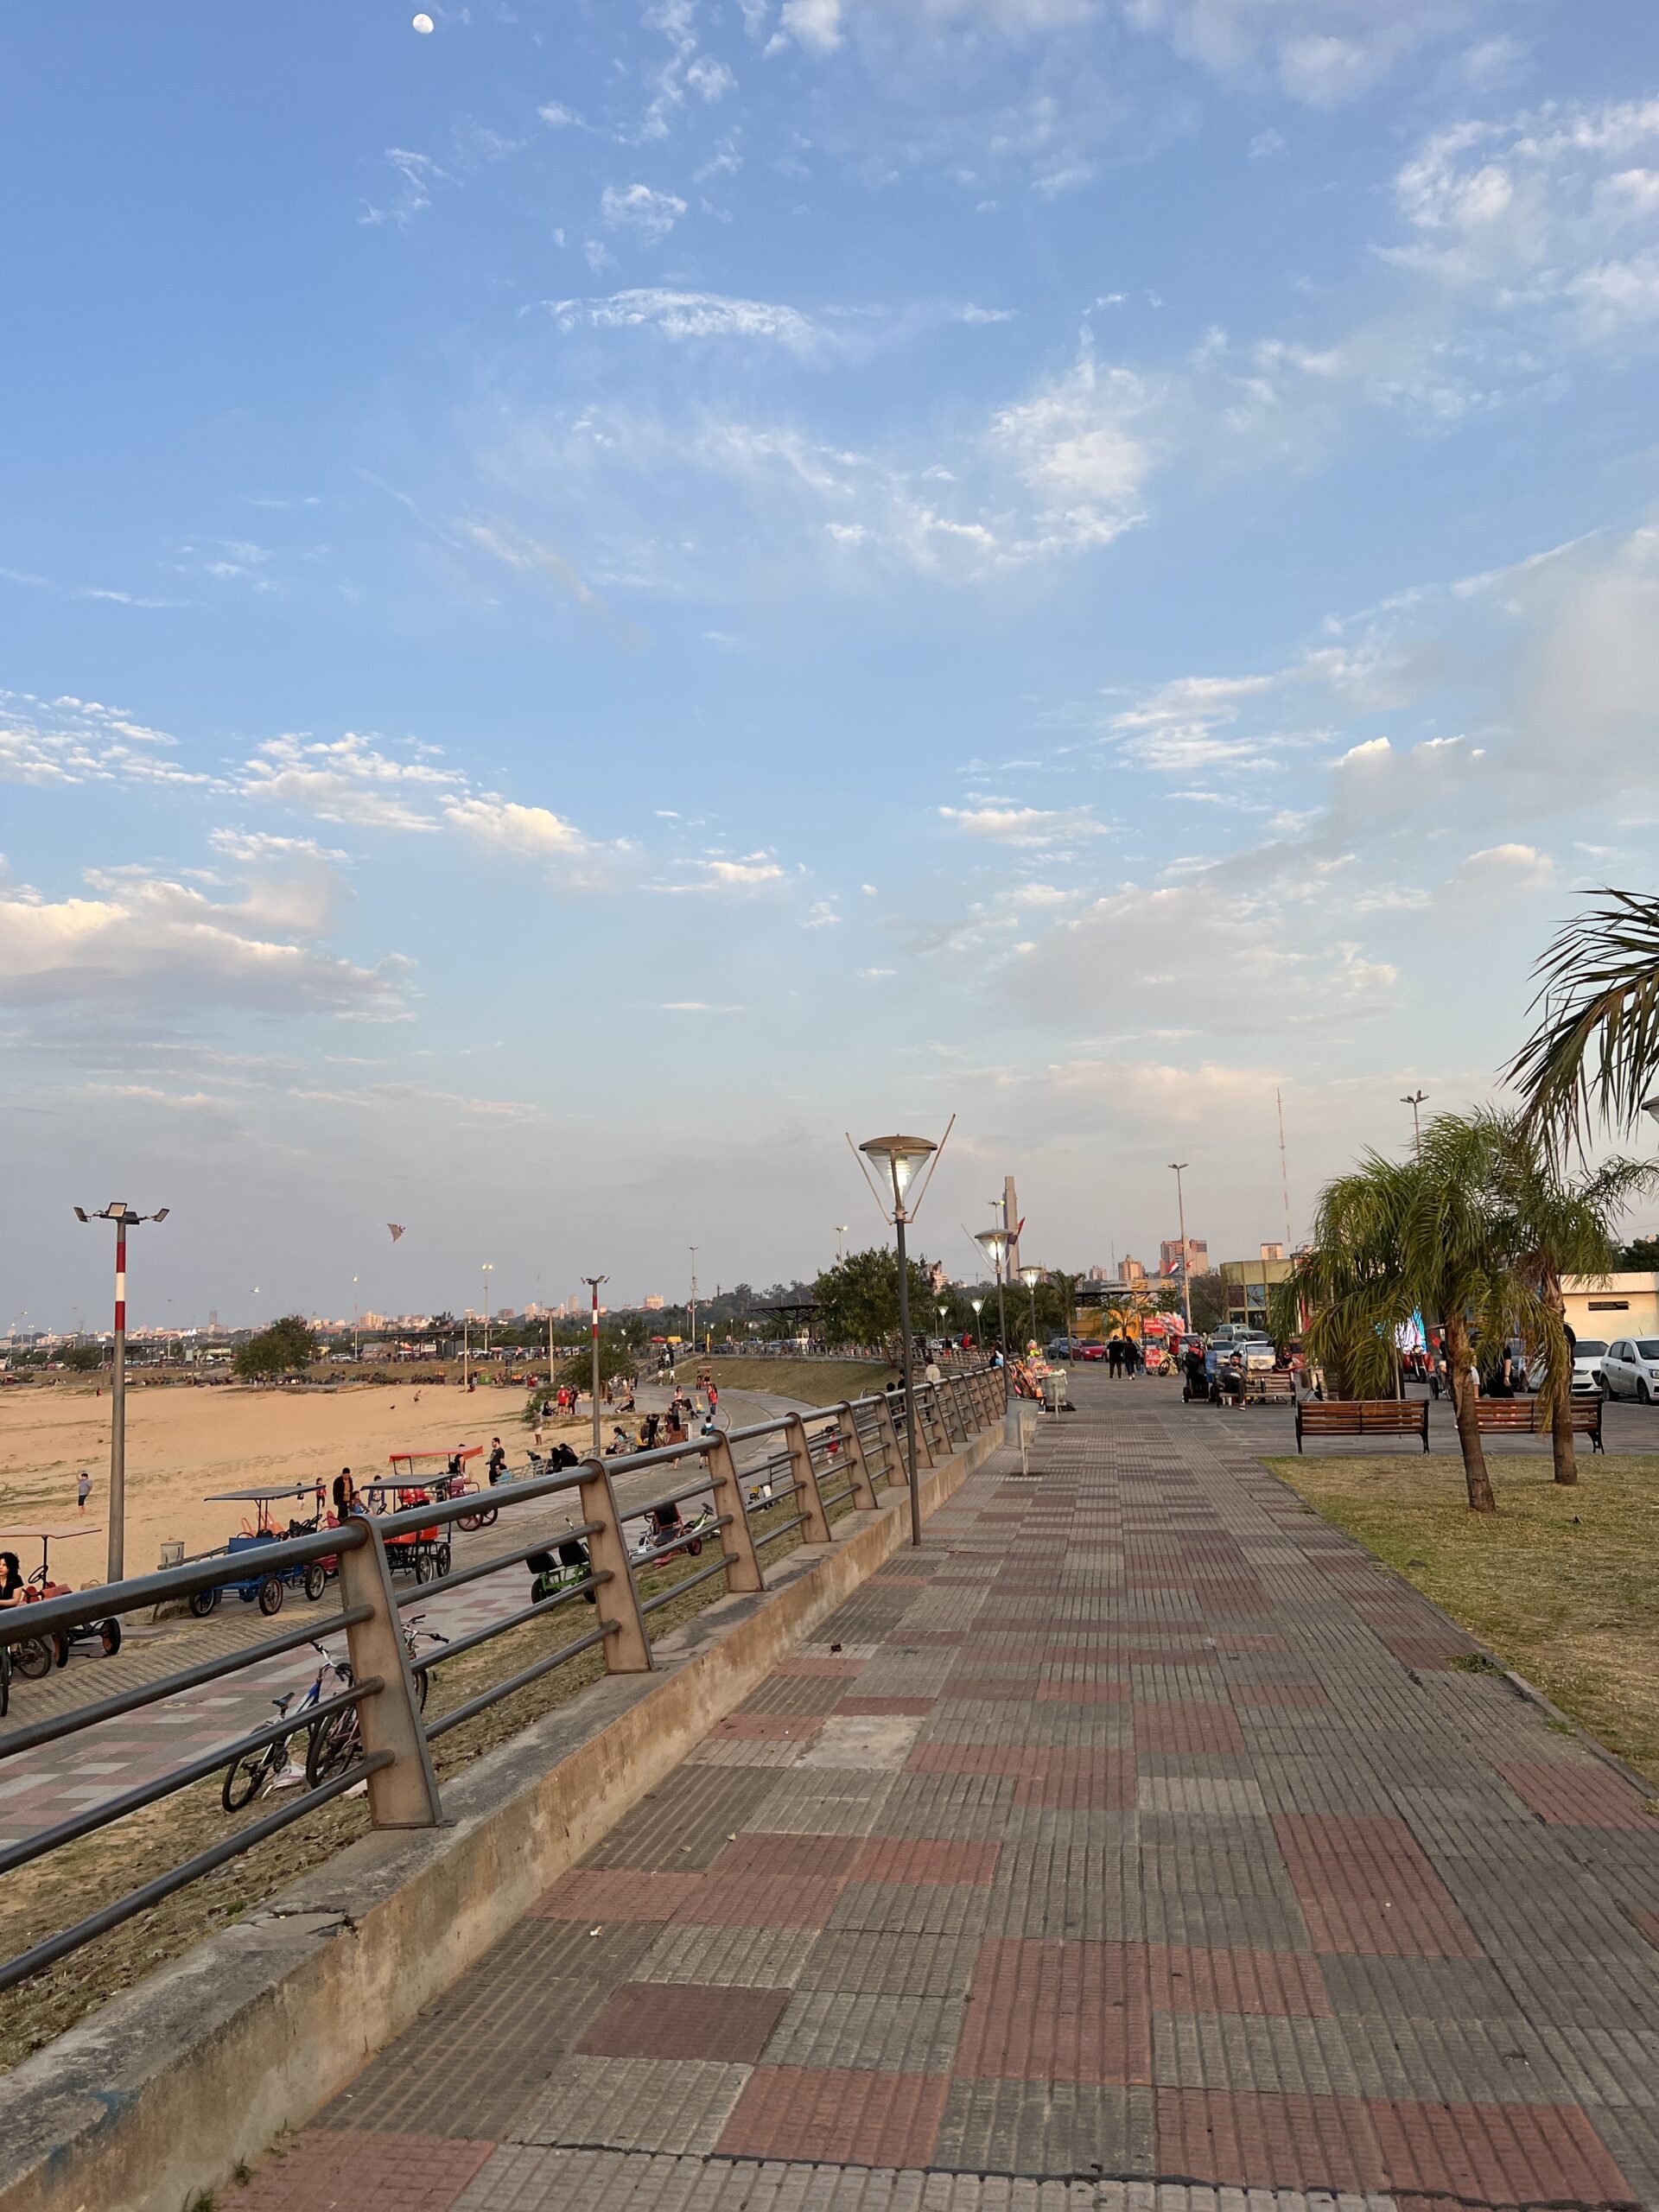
(423, 24)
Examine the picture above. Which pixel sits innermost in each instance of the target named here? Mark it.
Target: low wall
(160, 2094)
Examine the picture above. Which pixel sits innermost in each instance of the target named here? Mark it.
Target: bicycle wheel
(316, 1581)
(334, 1745)
(423, 1565)
(470, 1521)
(246, 1777)
(487, 1519)
(271, 1596)
(203, 1602)
(444, 1557)
(33, 1658)
(108, 1635)
(5, 1680)
(422, 1684)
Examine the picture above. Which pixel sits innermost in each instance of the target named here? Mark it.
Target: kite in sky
(396, 1229)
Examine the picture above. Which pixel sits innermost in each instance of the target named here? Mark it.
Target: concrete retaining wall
(160, 2093)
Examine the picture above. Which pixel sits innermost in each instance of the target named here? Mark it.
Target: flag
(396, 1229)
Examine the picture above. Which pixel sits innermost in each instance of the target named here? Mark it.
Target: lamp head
(897, 1159)
(161, 1213)
(994, 1243)
(1031, 1277)
(80, 1213)
(978, 1304)
(1651, 1105)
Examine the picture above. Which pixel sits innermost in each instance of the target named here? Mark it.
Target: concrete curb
(163, 2091)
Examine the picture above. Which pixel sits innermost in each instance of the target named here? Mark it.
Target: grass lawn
(1563, 1584)
(813, 1381)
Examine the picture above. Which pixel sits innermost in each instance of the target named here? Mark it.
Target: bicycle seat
(282, 1704)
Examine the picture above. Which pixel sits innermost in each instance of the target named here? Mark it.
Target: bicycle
(251, 1772)
(337, 1742)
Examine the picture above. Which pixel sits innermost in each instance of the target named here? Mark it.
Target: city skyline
(596, 598)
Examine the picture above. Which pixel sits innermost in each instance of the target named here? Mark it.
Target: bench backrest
(1355, 1415)
(1584, 1415)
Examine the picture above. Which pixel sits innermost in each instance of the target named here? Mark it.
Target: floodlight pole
(1186, 1257)
(121, 1215)
(593, 1283)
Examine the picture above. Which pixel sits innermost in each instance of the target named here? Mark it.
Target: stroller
(550, 1575)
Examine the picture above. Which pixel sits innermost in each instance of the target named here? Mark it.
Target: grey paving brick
(758, 1958)
(631, 2104)
(888, 1962)
(683, 1823)
(888, 2034)
(1046, 2127)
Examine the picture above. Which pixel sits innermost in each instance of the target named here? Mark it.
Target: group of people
(1124, 1356)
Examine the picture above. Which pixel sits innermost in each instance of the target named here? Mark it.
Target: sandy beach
(183, 1443)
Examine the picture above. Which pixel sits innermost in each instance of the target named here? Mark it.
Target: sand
(183, 1443)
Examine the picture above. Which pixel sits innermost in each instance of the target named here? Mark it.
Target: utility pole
(1284, 1168)
(1416, 1099)
(693, 1250)
(122, 1216)
(840, 1242)
(593, 1283)
(487, 1268)
(1180, 1166)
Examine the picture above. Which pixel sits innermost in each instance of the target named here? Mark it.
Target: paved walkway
(1134, 1831)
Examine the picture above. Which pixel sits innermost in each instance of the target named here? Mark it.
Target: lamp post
(487, 1268)
(1179, 1166)
(122, 1216)
(593, 1283)
(994, 1243)
(693, 1252)
(897, 1159)
(1031, 1277)
(1414, 1099)
(841, 1242)
(356, 1355)
(978, 1304)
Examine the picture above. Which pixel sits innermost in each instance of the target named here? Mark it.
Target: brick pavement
(1130, 1847)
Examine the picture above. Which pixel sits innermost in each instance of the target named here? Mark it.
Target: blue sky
(591, 598)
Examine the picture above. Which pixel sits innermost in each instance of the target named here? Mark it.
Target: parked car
(1258, 1352)
(1629, 1368)
(1588, 1359)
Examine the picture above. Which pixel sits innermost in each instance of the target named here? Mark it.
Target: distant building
(1132, 1270)
(936, 1275)
(1172, 1262)
(1619, 1306)
(1273, 1251)
(1098, 1274)
(654, 1303)
(506, 1314)
(1247, 1283)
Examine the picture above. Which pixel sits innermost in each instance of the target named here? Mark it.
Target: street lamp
(1186, 1253)
(1414, 1099)
(125, 1218)
(487, 1268)
(994, 1243)
(978, 1304)
(841, 1242)
(1031, 1277)
(896, 1160)
(593, 1283)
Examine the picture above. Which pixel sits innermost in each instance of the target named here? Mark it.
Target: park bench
(1362, 1417)
(1269, 1387)
(1530, 1417)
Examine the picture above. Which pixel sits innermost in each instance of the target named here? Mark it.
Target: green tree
(1208, 1301)
(1594, 1050)
(1641, 1255)
(286, 1348)
(81, 1359)
(858, 1299)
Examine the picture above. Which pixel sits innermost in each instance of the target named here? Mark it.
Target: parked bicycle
(337, 1742)
(251, 1773)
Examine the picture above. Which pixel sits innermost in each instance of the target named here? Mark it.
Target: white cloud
(637, 207)
(814, 24)
(527, 832)
(754, 872)
(350, 779)
(691, 316)
(1323, 53)
(1026, 826)
(416, 175)
(557, 116)
(1073, 445)
(70, 741)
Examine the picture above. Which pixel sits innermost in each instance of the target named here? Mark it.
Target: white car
(1587, 1356)
(1631, 1369)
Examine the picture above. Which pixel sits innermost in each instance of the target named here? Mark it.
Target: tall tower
(1011, 1221)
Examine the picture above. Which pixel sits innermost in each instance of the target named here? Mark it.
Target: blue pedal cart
(307, 1503)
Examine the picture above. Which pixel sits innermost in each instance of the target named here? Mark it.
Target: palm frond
(1595, 1049)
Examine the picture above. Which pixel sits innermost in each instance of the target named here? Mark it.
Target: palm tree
(1596, 1046)
(1557, 1226)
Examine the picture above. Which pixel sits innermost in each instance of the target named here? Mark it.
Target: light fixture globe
(898, 1159)
(1032, 1276)
(994, 1243)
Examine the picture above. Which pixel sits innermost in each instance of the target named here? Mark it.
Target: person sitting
(14, 1587)
(618, 1445)
(1230, 1379)
(497, 1462)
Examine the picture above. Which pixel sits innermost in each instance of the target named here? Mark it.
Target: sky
(595, 597)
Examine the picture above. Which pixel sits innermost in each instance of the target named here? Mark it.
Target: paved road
(60, 1780)
(1134, 1830)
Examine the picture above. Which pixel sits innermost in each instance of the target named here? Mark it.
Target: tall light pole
(1180, 1167)
(1415, 1100)
(593, 1283)
(122, 1216)
(487, 1268)
(356, 1355)
(693, 1252)
(896, 1160)
(994, 1243)
(1031, 1277)
(841, 1242)
(978, 1304)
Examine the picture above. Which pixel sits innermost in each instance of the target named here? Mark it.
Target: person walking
(83, 1490)
(1114, 1355)
(496, 1465)
(1131, 1357)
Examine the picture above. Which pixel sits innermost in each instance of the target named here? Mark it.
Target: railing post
(810, 1498)
(405, 1794)
(923, 1438)
(935, 1402)
(857, 1465)
(744, 1572)
(628, 1650)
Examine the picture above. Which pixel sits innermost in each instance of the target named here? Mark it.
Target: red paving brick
(768, 1727)
(827, 1668)
(683, 2020)
(1070, 1690)
(1578, 1795)
(1025, 1760)
(1286, 1984)
(1497, 2154)
(1244, 2141)
(902, 1858)
(330, 2170)
(722, 1900)
(604, 1893)
(1289, 1694)
(1080, 1781)
(1186, 1728)
(761, 1852)
(1365, 1887)
(1051, 2012)
(837, 2115)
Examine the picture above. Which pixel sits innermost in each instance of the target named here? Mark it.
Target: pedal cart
(426, 1554)
(450, 1481)
(267, 1588)
(35, 1658)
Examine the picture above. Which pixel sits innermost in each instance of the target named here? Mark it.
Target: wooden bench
(1362, 1417)
(1530, 1417)
(1267, 1387)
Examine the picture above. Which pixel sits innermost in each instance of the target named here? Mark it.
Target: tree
(1558, 1224)
(81, 1359)
(285, 1348)
(858, 1299)
(1595, 1049)
(1209, 1295)
(1641, 1255)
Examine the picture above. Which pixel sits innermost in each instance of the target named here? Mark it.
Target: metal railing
(851, 1452)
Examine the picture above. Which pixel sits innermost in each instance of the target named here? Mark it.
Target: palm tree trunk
(1466, 1398)
(1560, 1386)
